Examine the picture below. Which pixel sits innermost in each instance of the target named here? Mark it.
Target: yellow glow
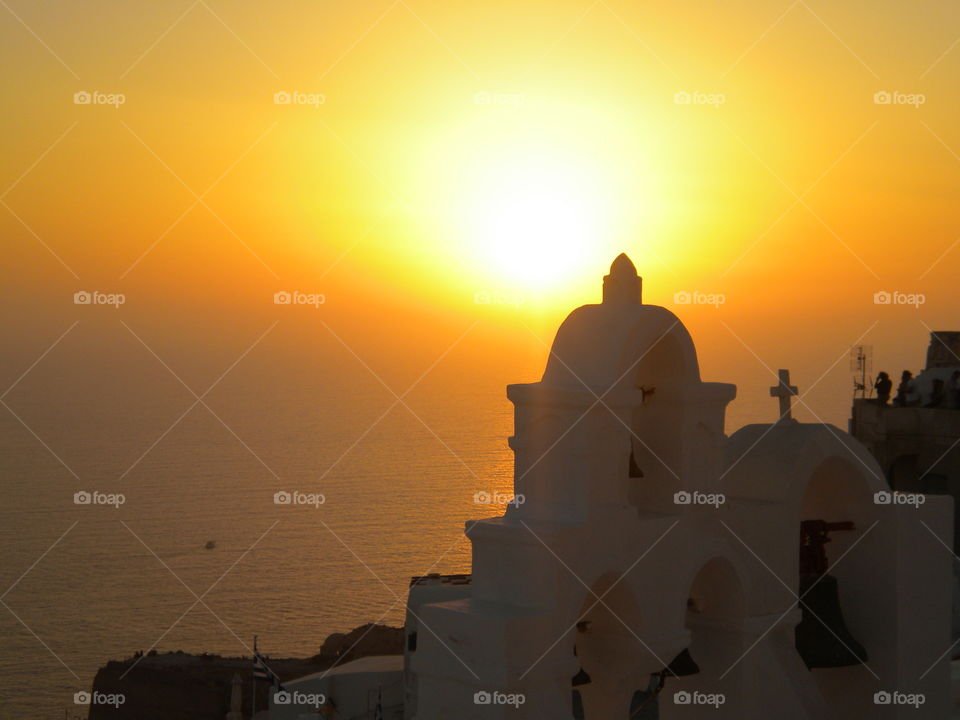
(531, 218)
(527, 197)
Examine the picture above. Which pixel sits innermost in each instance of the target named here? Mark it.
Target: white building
(649, 538)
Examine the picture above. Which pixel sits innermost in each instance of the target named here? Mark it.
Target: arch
(836, 489)
(775, 463)
(717, 593)
(609, 648)
(608, 628)
(655, 450)
(659, 360)
(661, 354)
(839, 489)
(715, 612)
(818, 472)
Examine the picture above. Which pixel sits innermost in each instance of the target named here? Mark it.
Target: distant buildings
(918, 445)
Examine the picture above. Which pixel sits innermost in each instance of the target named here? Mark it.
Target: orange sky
(402, 194)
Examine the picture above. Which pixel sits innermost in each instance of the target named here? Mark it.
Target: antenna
(861, 365)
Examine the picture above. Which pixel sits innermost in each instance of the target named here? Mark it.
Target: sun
(532, 219)
(533, 199)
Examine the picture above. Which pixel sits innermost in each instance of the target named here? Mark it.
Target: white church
(659, 568)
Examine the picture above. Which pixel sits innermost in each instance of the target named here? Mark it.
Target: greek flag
(262, 672)
(260, 669)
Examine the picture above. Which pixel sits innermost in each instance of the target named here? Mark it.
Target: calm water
(396, 500)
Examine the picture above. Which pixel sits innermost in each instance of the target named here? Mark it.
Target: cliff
(181, 686)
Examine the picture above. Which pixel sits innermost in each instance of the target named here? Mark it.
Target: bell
(581, 678)
(682, 665)
(818, 645)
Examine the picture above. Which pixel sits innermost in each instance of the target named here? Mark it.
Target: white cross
(784, 391)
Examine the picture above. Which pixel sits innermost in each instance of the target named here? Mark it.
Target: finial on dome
(623, 285)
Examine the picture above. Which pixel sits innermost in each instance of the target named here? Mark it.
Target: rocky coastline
(185, 686)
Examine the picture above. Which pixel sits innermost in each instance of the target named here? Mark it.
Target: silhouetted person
(955, 389)
(936, 395)
(903, 389)
(883, 386)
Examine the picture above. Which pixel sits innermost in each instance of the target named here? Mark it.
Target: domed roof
(621, 340)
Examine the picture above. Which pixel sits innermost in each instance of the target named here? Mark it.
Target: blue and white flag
(262, 672)
(260, 669)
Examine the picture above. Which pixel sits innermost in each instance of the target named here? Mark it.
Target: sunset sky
(434, 185)
(437, 150)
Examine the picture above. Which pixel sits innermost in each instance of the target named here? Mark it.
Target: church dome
(620, 341)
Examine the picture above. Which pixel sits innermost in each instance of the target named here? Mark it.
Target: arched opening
(656, 448)
(838, 491)
(614, 663)
(715, 611)
(666, 362)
